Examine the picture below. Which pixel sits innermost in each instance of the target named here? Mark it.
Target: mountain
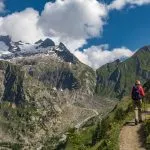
(6, 44)
(12, 50)
(44, 91)
(117, 78)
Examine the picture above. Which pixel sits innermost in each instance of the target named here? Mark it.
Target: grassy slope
(147, 122)
(104, 135)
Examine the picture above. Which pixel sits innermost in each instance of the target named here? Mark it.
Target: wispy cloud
(120, 4)
(2, 6)
(21, 26)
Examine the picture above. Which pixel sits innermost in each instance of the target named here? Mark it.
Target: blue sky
(19, 5)
(126, 26)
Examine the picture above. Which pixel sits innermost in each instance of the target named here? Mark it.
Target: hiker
(137, 95)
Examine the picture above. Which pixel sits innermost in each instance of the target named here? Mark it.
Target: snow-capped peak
(10, 49)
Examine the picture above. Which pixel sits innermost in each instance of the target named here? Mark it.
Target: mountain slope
(116, 79)
(43, 94)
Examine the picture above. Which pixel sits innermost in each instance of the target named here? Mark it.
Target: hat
(137, 82)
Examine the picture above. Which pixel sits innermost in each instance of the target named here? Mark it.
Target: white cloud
(97, 56)
(21, 26)
(2, 6)
(73, 44)
(73, 21)
(119, 4)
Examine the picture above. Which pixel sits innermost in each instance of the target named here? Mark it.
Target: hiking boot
(136, 122)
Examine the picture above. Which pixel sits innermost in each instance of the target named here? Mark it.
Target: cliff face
(117, 78)
(13, 83)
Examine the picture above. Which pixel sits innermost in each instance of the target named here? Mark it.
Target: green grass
(80, 140)
(102, 135)
(147, 127)
(147, 132)
(114, 123)
(13, 146)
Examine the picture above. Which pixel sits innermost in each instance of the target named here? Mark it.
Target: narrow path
(94, 110)
(132, 137)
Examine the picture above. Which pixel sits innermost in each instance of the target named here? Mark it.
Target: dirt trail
(132, 137)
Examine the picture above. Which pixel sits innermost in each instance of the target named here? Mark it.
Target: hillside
(104, 133)
(43, 95)
(116, 78)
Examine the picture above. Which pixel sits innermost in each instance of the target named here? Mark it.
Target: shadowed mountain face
(13, 84)
(117, 78)
(60, 78)
(46, 43)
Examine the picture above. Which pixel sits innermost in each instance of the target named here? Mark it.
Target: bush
(147, 132)
(119, 114)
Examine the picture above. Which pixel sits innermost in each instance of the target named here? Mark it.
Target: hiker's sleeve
(142, 91)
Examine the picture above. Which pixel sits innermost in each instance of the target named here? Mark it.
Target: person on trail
(137, 95)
